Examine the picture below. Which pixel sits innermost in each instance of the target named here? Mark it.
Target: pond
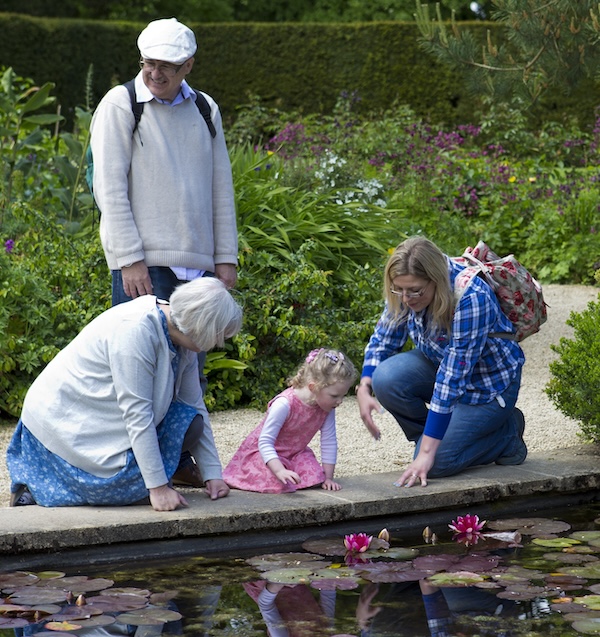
(504, 577)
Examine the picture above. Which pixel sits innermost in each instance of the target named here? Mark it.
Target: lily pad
(589, 601)
(130, 590)
(289, 576)
(18, 579)
(441, 562)
(65, 626)
(529, 526)
(520, 595)
(585, 536)
(400, 553)
(455, 580)
(587, 626)
(272, 561)
(164, 596)
(78, 584)
(50, 574)
(590, 570)
(557, 543)
(391, 576)
(570, 558)
(117, 603)
(149, 617)
(477, 563)
(332, 584)
(33, 595)
(12, 622)
(98, 620)
(330, 546)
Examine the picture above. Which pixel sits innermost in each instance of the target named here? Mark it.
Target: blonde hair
(420, 257)
(205, 311)
(324, 367)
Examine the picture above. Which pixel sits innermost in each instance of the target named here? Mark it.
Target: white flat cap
(167, 40)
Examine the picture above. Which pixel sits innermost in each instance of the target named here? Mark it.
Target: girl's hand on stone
(331, 485)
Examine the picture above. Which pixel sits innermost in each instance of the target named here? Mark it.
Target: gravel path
(546, 428)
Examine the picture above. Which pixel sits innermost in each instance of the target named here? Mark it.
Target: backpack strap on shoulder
(136, 107)
(204, 108)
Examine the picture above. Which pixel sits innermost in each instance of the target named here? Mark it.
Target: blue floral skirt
(53, 482)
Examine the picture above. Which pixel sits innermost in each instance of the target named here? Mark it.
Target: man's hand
(136, 280)
(226, 272)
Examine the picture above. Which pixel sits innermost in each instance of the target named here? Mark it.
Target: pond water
(516, 577)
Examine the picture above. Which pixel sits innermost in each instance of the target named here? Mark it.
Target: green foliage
(291, 306)
(51, 285)
(549, 46)
(573, 387)
(321, 199)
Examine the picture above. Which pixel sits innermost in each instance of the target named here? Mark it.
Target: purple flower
(9, 245)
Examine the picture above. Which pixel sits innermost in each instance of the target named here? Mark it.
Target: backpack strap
(136, 107)
(204, 108)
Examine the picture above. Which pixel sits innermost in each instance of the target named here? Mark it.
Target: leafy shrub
(51, 285)
(573, 387)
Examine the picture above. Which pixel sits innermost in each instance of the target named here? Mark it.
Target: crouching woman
(107, 419)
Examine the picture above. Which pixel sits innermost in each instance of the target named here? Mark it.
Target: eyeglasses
(169, 70)
(409, 295)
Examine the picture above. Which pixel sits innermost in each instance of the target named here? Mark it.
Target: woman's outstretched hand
(367, 403)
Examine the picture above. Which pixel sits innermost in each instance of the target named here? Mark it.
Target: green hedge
(301, 67)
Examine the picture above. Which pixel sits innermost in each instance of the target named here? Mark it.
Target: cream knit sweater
(165, 192)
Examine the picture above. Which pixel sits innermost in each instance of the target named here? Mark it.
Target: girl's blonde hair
(420, 257)
(324, 367)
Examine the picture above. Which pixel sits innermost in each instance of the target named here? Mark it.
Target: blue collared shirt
(472, 367)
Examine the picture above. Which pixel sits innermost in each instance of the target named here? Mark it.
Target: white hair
(205, 311)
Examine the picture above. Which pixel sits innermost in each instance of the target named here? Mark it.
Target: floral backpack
(519, 294)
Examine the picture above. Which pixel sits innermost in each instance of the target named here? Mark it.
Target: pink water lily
(357, 542)
(467, 529)
(467, 524)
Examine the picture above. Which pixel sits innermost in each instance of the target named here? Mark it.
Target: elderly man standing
(163, 183)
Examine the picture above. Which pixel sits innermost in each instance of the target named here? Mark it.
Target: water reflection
(549, 584)
(293, 611)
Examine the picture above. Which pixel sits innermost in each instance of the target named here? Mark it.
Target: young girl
(275, 457)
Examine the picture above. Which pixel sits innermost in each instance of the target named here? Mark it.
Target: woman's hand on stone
(216, 489)
(165, 498)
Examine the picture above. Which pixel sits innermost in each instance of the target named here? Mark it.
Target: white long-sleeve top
(166, 191)
(107, 391)
(277, 415)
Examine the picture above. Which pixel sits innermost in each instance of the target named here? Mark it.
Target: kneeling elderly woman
(454, 394)
(106, 420)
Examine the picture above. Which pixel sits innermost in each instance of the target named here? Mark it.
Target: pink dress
(248, 471)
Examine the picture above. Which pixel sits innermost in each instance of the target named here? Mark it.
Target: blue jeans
(476, 435)
(164, 282)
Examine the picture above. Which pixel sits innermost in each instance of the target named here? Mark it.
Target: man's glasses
(169, 70)
(409, 295)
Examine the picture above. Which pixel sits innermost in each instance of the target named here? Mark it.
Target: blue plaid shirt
(473, 368)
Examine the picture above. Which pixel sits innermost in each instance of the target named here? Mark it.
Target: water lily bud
(384, 534)
(427, 533)
(81, 600)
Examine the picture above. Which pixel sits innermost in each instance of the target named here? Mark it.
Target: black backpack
(138, 109)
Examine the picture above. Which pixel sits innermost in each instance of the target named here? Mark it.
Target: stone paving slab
(545, 475)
